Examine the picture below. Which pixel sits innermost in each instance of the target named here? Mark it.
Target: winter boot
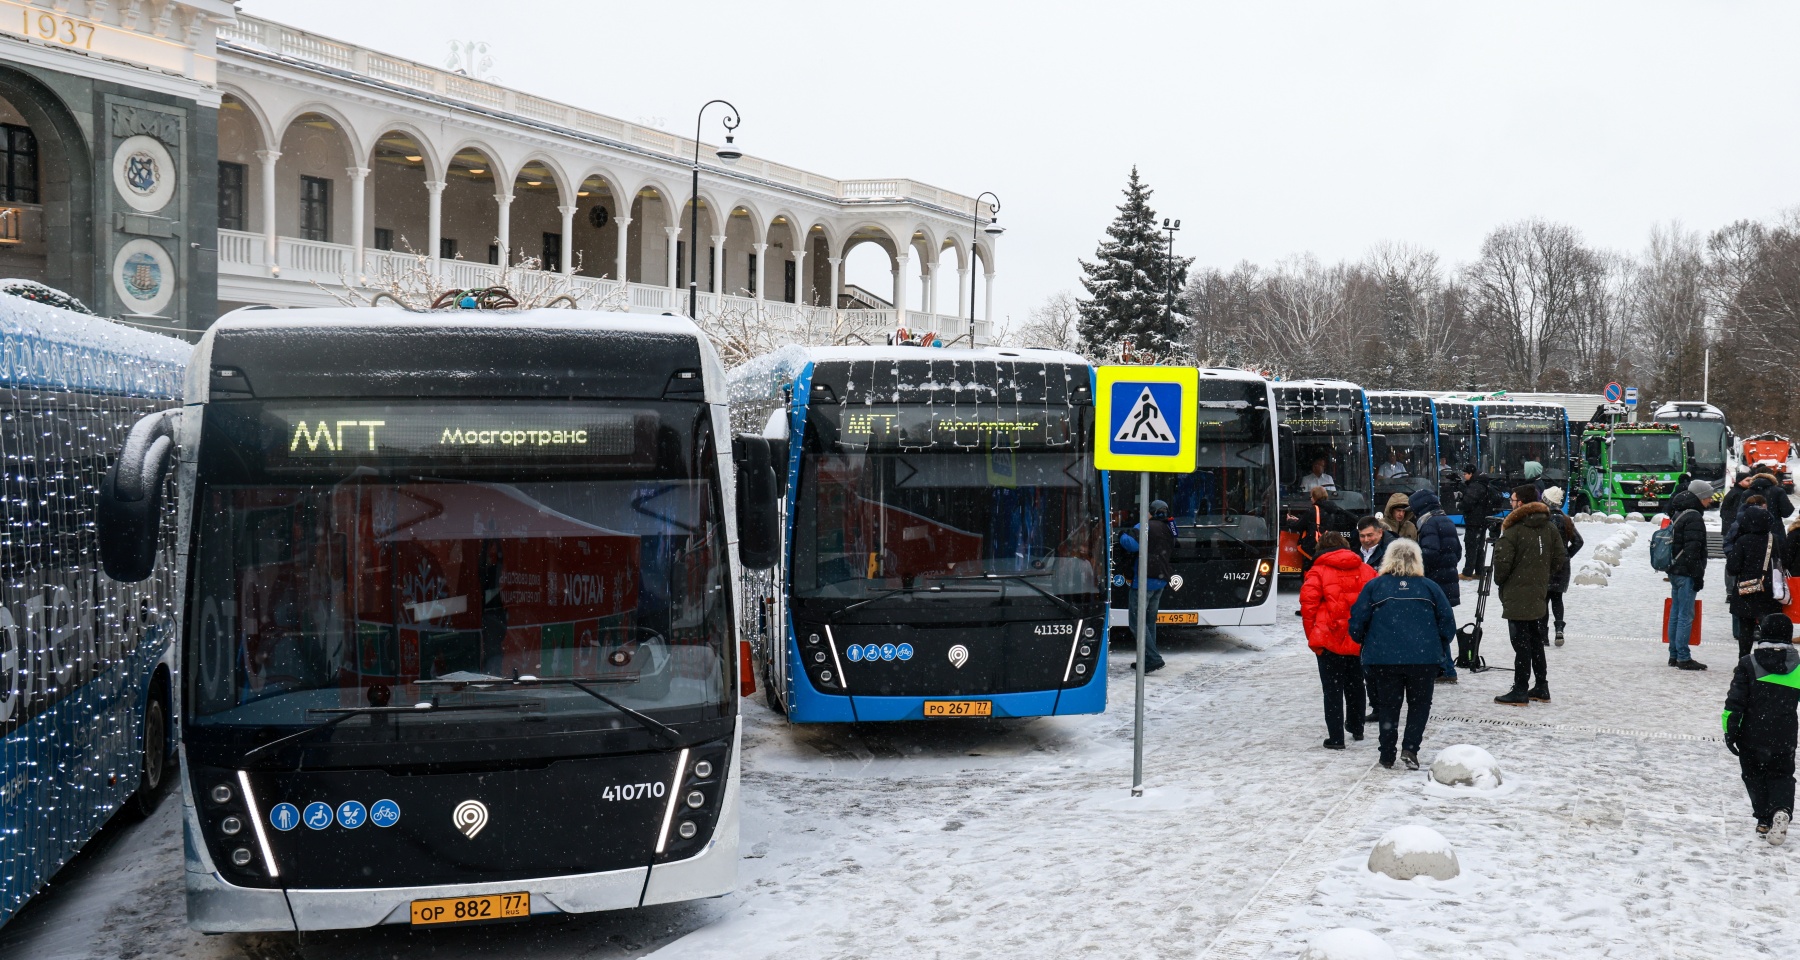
(1356, 735)
(1334, 744)
(1691, 665)
(1559, 634)
(1515, 698)
(1541, 693)
(1410, 758)
(1778, 828)
(1762, 829)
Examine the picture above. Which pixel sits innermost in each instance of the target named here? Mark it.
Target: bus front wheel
(153, 765)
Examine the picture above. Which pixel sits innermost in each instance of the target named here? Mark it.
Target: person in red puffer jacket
(1326, 596)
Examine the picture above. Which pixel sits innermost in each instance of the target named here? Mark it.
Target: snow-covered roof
(1319, 384)
(46, 346)
(997, 354)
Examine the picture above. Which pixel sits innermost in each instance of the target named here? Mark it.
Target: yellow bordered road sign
(1144, 418)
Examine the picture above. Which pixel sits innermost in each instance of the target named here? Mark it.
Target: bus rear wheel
(153, 765)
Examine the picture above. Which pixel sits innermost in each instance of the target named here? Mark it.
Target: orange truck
(1770, 449)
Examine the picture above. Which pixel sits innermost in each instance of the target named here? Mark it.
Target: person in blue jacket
(1402, 619)
(1161, 570)
(1442, 549)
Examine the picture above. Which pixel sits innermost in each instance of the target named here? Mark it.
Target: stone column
(624, 224)
(435, 231)
(928, 287)
(962, 284)
(568, 239)
(357, 175)
(271, 245)
(901, 262)
(504, 236)
(761, 275)
(674, 238)
(718, 270)
(987, 312)
(837, 280)
(800, 277)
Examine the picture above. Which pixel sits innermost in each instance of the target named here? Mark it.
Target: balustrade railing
(241, 253)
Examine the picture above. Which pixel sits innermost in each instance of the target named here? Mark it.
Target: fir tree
(1131, 293)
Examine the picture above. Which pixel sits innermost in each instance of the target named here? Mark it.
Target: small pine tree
(1131, 292)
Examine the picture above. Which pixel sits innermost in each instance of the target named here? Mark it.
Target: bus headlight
(694, 803)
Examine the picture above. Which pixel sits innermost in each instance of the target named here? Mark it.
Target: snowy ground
(1628, 834)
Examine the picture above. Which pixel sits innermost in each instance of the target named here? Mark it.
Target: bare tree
(1670, 303)
(1052, 325)
(1524, 289)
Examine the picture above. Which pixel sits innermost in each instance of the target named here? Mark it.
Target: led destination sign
(323, 432)
(927, 425)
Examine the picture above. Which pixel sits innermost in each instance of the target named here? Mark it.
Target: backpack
(1662, 546)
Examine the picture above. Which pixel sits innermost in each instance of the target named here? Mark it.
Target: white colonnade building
(340, 162)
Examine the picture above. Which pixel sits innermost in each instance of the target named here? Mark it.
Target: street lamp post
(993, 229)
(1169, 226)
(729, 153)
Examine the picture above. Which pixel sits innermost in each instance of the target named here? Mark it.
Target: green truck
(1626, 467)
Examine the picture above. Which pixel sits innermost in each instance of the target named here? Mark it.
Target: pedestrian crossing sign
(1144, 418)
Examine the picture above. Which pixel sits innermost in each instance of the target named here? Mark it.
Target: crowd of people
(1379, 611)
(1380, 614)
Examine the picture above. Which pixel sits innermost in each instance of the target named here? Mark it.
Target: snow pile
(1635, 515)
(1582, 517)
(1465, 765)
(1414, 851)
(1592, 575)
(1608, 553)
(1347, 943)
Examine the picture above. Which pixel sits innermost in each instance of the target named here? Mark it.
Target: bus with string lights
(458, 637)
(945, 549)
(86, 664)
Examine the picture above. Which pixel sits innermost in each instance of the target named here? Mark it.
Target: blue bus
(1456, 442)
(946, 534)
(85, 662)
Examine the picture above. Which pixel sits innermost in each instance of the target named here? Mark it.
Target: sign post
(1631, 402)
(1144, 418)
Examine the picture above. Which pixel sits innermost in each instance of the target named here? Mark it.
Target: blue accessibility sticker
(385, 813)
(854, 653)
(284, 817)
(318, 815)
(351, 814)
(871, 652)
(904, 651)
(888, 650)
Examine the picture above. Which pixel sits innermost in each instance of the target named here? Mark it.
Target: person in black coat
(1687, 574)
(1760, 724)
(1442, 555)
(1765, 484)
(1750, 571)
(1734, 500)
(1477, 506)
(1572, 542)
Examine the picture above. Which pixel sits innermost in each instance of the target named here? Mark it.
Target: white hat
(1553, 496)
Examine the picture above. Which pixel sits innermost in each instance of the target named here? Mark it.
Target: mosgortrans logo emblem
(470, 816)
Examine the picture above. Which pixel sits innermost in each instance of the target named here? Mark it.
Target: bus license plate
(1189, 619)
(959, 708)
(494, 906)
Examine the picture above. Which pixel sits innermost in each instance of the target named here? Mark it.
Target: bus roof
(51, 348)
(1324, 384)
(1688, 410)
(387, 352)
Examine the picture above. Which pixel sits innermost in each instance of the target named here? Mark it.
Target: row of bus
(448, 616)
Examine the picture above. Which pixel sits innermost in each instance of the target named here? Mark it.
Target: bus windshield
(1226, 508)
(1509, 442)
(1403, 453)
(1709, 440)
(1325, 448)
(894, 496)
(457, 542)
(1647, 452)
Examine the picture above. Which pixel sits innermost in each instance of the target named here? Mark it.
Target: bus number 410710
(633, 791)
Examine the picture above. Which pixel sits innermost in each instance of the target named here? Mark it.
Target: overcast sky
(1269, 128)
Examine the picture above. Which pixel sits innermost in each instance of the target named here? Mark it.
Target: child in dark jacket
(1760, 724)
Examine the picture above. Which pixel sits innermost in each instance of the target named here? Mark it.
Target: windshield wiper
(1024, 578)
(655, 726)
(882, 596)
(345, 713)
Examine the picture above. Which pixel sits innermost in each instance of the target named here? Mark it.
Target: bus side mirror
(759, 531)
(1688, 448)
(129, 514)
(778, 462)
